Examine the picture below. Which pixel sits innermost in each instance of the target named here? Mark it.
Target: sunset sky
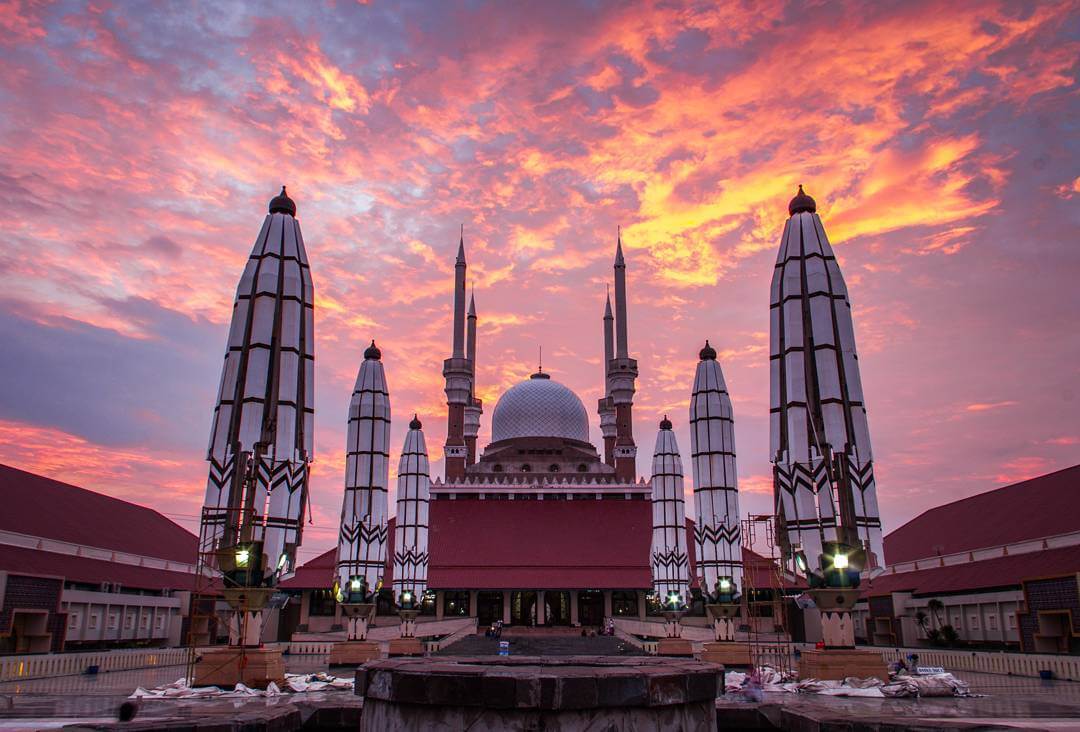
(140, 144)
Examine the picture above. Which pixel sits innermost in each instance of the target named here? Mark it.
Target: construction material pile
(294, 684)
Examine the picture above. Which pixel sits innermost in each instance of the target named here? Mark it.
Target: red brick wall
(35, 593)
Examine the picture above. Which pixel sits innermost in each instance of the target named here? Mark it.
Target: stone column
(541, 609)
(607, 604)
(439, 605)
(641, 605)
(506, 607)
(472, 603)
(574, 608)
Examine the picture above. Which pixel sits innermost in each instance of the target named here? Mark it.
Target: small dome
(708, 353)
(415, 424)
(665, 423)
(539, 407)
(373, 352)
(801, 203)
(281, 203)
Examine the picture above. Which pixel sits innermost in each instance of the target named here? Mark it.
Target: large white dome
(539, 407)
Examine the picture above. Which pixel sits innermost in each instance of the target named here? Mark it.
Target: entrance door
(288, 619)
(523, 607)
(557, 605)
(591, 607)
(489, 607)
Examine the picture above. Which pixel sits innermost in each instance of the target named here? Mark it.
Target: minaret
(458, 374)
(411, 529)
(823, 467)
(623, 374)
(261, 436)
(475, 406)
(716, 488)
(606, 406)
(361, 556)
(670, 562)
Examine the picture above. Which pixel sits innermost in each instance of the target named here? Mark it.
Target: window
(322, 603)
(526, 468)
(114, 621)
(498, 468)
(159, 622)
(146, 622)
(73, 621)
(583, 468)
(427, 605)
(1011, 620)
(624, 603)
(129, 621)
(553, 468)
(991, 622)
(973, 621)
(92, 625)
(456, 604)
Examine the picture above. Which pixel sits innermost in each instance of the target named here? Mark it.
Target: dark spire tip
(373, 352)
(802, 203)
(415, 424)
(281, 203)
(708, 353)
(665, 423)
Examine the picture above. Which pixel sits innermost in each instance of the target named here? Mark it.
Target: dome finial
(708, 353)
(665, 423)
(415, 423)
(802, 203)
(373, 352)
(281, 203)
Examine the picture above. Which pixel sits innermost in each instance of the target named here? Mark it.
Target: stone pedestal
(839, 658)
(406, 647)
(353, 653)
(230, 665)
(723, 616)
(357, 617)
(355, 649)
(674, 647)
(523, 692)
(839, 663)
(837, 625)
(727, 653)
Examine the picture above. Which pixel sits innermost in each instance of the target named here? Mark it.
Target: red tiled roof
(1031, 509)
(540, 544)
(1000, 572)
(318, 573)
(21, 560)
(40, 506)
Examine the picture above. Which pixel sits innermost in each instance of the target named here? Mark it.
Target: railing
(449, 631)
(47, 665)
(309, 648)
(990, 662)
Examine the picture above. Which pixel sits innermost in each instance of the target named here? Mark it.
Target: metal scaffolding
(769, 634)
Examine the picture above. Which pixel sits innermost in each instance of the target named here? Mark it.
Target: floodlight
(282, 560)
(406, 596)
(840, 561)
(354, 584)
(242, 557)
(725, 584)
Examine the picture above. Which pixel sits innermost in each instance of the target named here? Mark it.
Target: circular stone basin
(531, 692)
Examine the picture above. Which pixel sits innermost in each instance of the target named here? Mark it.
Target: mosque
(538, 526)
